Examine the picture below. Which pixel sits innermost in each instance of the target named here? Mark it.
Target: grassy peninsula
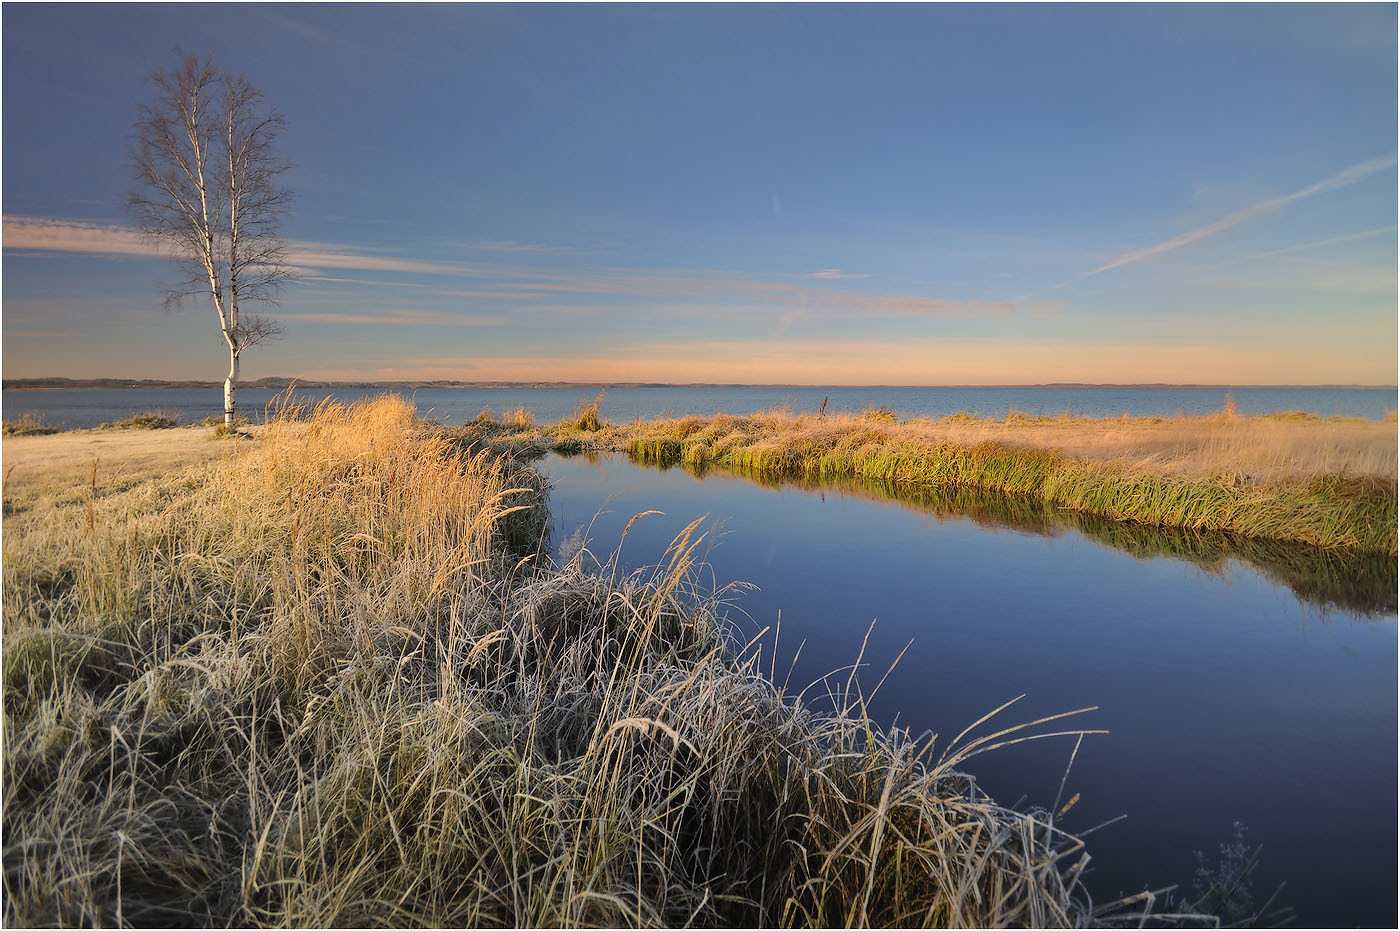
(1285, 477)
(326, 680)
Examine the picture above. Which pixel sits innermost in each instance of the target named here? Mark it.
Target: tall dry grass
(324, 682)
(586, 416)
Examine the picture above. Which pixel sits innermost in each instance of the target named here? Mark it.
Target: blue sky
(826, 194)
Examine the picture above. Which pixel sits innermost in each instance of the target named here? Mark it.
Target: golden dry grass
(1264, 449)
(1260, 449)
(323, 682)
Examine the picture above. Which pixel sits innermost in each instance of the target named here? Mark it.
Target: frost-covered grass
(328, 681)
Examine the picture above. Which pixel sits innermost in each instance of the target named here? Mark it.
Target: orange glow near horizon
(975, 363)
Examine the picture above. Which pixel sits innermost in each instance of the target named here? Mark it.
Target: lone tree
(207, 184)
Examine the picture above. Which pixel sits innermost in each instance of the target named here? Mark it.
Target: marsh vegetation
(28, 424)
(1292, 477)
(330, 679)
(147, 420)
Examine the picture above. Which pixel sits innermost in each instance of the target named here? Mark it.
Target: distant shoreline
(281, 383)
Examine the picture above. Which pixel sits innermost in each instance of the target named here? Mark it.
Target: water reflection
(1357, 584)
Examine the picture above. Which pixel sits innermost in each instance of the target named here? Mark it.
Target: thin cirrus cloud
(1332, 281)
(41, 234)
(357, 261)
(835, 274)
(332, 279)
(1344, 178)
(1350, 237)
(526, 248)
(517, 283)
(1341, 179)
(389, 318)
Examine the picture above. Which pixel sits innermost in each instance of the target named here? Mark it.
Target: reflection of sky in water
(1226, 697)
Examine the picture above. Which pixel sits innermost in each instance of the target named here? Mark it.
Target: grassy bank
(1291, 477)
(325, 681)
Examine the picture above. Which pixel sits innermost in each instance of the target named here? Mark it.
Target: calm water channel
(1254, 685)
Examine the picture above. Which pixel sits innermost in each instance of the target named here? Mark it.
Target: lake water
(1256, 685)
(71, 408)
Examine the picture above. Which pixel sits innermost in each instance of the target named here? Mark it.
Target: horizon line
(19, 383)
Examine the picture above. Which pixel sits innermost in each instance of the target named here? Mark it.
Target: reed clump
(239, 421)
(519, 418)
(326, 681)
(586, 417)
(27, 424)
(147, 420)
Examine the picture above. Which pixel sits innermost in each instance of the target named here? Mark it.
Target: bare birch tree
(207, 184)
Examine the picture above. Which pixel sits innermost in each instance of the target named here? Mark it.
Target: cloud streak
(518, 282)
(1344, 178)
(835, 274)
(72, 236)
(389, 318)
(528, 248)
(1341, 179)
(358, 261)
(1364, 234)
(37, 233)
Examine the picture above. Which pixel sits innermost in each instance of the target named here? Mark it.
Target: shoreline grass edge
(1331, 510)
(1327, 511)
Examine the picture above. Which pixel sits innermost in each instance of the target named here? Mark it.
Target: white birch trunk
(230, 386)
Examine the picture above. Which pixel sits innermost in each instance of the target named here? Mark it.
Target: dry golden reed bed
(1292, 477)
(326, 682)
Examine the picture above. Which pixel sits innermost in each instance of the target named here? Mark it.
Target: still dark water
(72, 408)
(1254, 685)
